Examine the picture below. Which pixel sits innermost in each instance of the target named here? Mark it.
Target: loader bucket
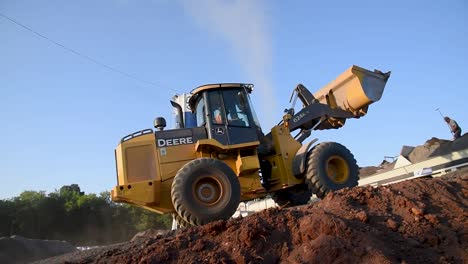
(354, 90)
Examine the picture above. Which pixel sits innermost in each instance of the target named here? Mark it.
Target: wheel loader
(218, 156)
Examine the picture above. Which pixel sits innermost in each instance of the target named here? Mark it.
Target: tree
(70, 214)
(7, 211)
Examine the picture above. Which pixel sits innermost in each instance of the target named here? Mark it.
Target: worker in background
(454, 127)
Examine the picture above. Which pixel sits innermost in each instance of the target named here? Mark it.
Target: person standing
(454, 127)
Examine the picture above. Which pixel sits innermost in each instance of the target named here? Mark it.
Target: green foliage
(70, 214)
(31, 196)
(146, 219)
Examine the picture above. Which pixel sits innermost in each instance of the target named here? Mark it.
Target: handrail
(136, 134)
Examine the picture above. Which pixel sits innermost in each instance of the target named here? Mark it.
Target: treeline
(81, 219)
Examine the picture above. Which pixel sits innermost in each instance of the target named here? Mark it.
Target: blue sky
(62, 115)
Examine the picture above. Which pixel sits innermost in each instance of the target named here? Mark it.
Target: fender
(298, 164)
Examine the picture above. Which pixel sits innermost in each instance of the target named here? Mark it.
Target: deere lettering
(174, 141)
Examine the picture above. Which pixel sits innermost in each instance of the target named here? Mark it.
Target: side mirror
(160, 123)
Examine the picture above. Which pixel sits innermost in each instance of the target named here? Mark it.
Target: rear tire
(330, 167)
(205, 190)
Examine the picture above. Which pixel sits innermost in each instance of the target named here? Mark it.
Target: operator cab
(226, 112)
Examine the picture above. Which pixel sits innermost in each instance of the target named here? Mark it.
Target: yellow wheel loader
(218, 155)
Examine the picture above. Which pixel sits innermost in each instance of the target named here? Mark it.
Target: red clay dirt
(417, 221)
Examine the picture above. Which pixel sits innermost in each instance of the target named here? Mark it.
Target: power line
(80, 54)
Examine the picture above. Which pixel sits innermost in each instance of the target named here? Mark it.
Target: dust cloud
(243, 24)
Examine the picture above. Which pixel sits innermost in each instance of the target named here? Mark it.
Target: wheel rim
(208, 190)
(337, 169)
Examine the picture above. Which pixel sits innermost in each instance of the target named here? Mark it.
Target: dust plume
(243, 24)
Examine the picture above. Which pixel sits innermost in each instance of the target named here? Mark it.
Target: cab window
(200, 112)
(216, 108)
(236, 109)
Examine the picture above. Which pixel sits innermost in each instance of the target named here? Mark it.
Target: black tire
(297, 195)
(180, 221)
(330, 167)
(205, 190)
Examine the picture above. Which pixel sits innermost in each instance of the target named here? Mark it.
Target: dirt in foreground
(418, 221)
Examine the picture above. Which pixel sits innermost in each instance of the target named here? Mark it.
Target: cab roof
(196, 92)
(220, 86)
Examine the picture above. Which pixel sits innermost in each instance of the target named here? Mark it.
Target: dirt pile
(437, 147)
(17, 249)
(433, 147)
(371, 170)
(418, 221)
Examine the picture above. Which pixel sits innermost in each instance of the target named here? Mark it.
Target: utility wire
(80, 54)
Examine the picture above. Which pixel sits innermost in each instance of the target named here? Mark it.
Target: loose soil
(418, 221)
(17, 249)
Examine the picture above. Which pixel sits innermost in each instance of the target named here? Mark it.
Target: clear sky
(63, 114)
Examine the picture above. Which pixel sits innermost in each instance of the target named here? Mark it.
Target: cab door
(216, 118)
(230, 117)
(240, 125)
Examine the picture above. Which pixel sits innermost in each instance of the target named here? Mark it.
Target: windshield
(236, 108)
(228, 107)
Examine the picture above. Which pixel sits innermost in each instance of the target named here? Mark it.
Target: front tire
(205, 190)
(181, 223)
(330, 167)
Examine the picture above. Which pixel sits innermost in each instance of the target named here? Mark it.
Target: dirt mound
(433, 147)
(149, 233)
(418, 221)
(367, 171)
(371, 170)
(437, 147)
(17, 249)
